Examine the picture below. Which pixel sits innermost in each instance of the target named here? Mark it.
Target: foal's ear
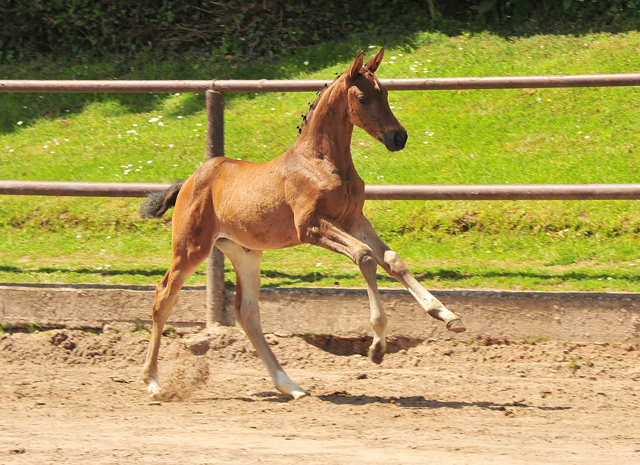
(356, 66)
(373, 63)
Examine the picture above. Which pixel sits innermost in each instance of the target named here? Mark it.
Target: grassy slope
(501, 136)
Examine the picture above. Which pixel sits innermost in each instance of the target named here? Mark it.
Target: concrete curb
(571, 316)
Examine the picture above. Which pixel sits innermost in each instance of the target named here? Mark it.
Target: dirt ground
(74, 397)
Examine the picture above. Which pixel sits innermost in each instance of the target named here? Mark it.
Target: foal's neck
(326, 133)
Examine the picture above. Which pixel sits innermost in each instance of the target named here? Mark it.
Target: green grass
(33, 327)
(468, 137)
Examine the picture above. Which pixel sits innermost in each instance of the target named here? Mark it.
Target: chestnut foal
(310, 194)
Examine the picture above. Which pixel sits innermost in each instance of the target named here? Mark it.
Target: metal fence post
(215, 304)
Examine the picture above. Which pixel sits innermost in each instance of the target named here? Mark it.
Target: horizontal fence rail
(372, 192)
(310, 85)
(504, 192)
(80, 189)
(112, 86)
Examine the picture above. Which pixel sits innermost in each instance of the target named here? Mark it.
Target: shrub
(258, 28)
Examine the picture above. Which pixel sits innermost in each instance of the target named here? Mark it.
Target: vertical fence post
(215, 305)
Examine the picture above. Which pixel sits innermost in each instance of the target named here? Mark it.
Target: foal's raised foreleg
(392, 264)
(328, 235)
(247, 265)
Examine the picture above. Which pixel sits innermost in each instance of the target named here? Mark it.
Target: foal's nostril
(400, 139)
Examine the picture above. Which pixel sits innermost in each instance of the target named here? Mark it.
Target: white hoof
(153, 388)
(286, 386)
(299, 393)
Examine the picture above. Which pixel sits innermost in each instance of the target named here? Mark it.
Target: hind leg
(192, 243)
(166, 297)
(247, 265)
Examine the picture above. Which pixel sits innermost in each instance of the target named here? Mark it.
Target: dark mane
(312, 106)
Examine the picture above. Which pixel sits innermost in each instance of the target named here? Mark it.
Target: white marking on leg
(378, 322)
(153, 388)
(392, 263)
(247, 266)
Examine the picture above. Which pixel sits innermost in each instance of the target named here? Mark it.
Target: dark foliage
(259, 28)
(243, 28)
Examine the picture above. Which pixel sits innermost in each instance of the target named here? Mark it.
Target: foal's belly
(258, 223)
(249, 205)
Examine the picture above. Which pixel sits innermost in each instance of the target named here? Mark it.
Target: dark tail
(159, 202)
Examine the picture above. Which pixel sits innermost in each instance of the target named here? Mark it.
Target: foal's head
(368, 106)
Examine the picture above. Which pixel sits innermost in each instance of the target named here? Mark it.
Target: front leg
(325, 233)
(395, 267)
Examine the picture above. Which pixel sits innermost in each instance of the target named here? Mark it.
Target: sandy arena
(75, 397)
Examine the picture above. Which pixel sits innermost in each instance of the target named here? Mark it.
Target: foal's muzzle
(395, 140)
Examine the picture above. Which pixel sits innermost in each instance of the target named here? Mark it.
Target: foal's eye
(362, 100)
